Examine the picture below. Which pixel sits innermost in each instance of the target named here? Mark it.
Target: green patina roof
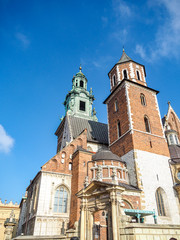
(79, 100)
(124, 58)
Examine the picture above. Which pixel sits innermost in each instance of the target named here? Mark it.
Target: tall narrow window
(138, 75)
(60, 200)
(176, 139)
(82, 106)
(115, 106)
(114, 80)
(160, 202)
(143, 99)
(70, 166)
(119, 129)
(81, 83)
(125, 74)
(171, 139)
(147, 125)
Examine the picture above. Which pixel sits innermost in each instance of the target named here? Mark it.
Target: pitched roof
(96, 131)
(128, 186)
(124, 58)
(174, 152)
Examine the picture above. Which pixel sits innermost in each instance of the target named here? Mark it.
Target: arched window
(125, 74)
(146, 123)
(143, 99)
(81, 83)
(160, 198)
(60, 200)
(138, 75)
(119, 129)
(115, 106)
(114, 80)
(76, 83)
(127, 204)
(70, 166)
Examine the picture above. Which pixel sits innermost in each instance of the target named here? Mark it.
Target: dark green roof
(124, 58)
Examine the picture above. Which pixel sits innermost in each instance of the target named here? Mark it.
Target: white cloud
(120, 35)
(23, 39)
(6, 142)
(97, 62)
(122, 8)
(141, 51)
(167, 39)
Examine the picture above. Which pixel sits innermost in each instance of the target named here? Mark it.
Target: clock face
(178, 175)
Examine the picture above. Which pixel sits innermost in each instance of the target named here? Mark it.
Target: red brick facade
(79, 172)
(131, 114)
(61, 161)
(131, 68)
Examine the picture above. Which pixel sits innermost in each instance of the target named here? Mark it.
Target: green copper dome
(79, 101)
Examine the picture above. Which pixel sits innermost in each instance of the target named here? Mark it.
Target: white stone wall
(94, 147)
(47, 221)
(130, 163)
(22, 217)
(154, 173)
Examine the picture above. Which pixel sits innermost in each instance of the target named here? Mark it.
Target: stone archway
(97, 198)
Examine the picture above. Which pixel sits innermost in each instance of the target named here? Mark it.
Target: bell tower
(133, 112)
(136, 133)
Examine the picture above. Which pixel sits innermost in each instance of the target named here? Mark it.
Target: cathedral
(115, 181)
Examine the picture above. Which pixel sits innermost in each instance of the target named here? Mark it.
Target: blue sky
(42, 44)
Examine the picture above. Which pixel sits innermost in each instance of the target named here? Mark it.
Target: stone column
(89, 235)
(114, 215)
(83, 219)
(115, 198)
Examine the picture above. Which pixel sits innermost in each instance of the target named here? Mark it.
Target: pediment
(93, 188)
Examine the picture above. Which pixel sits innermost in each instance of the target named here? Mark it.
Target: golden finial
(80, 68)
(123, 48)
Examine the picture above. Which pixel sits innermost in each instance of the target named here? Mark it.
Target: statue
(86, 181)
(90, 92)
(99, 174)
(94, 112)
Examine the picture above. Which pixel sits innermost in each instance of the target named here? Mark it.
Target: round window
(178, 175)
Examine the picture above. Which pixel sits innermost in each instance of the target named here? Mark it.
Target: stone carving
(12, 216)
(86, 181)
(99, 173)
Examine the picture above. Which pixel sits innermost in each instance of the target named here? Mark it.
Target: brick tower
(136, 135)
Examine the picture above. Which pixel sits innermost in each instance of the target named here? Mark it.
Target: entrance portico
(101, 211)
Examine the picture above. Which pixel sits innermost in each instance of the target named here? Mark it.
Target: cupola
(79, 101)
(79, 80)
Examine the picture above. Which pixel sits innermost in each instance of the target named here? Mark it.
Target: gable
(62, 160)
